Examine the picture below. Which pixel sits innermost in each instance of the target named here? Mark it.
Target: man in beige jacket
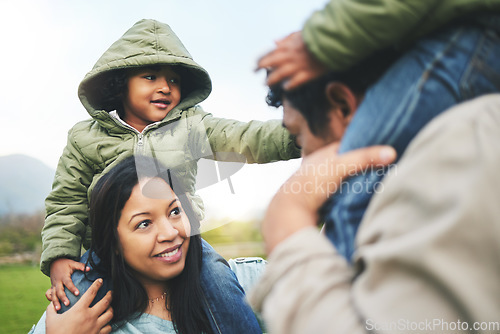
(427, 257)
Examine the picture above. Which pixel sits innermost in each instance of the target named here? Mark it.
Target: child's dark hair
(310, 98)
(108, 198)
(114, 88)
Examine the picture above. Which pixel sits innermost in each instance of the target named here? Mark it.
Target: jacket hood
(148, 42)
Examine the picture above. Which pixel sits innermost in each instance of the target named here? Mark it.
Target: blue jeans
(226, 308)
(228, 312)
(455, 64)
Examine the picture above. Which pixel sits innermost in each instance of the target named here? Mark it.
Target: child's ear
(342, 100)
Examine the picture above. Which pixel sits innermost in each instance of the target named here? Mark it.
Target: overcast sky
(49, 45)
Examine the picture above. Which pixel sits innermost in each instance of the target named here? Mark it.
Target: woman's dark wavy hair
(186, 299)
(310, 98)
(114, 87)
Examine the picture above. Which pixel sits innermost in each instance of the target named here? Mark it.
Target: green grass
(22, 297)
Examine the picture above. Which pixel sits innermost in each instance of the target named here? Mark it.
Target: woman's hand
(82, 318)
(291, 62)
(296, 203)
(60, 276)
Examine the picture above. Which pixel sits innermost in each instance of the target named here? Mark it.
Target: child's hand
(291, 62)
(82, 318)
(60, 276)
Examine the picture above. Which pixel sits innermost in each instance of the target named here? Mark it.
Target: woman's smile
(170, 256)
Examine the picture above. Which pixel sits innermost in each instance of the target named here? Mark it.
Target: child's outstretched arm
(259, 142)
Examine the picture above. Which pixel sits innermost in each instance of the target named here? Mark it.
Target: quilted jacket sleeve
(259, 142)
(347, 31)
(66, 207)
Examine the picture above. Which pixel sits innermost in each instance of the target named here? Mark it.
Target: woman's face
(153, 232)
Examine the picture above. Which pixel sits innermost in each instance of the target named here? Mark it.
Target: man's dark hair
(310, 98)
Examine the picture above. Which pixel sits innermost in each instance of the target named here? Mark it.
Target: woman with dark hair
(147, 240)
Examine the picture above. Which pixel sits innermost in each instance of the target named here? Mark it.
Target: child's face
(152, 93)
(154, 232)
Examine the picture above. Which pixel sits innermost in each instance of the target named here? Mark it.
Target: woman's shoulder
(144, 323)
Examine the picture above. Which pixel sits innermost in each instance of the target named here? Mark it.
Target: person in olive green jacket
(449, 54)
(143, 95)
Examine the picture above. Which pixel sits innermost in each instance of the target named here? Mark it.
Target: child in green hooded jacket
(142, 95)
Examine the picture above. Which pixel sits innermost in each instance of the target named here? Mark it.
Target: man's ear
(342, 100)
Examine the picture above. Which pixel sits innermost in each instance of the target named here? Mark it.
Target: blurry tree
(20, 233)
(236, 239)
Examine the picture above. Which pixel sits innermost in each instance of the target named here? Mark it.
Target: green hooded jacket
(348, 31)
(184, 136)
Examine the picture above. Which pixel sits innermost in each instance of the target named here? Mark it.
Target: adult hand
(60, 276)
(82, 318)
(291, 62)
(296, 204)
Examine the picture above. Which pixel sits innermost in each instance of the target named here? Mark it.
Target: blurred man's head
(318, 112)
